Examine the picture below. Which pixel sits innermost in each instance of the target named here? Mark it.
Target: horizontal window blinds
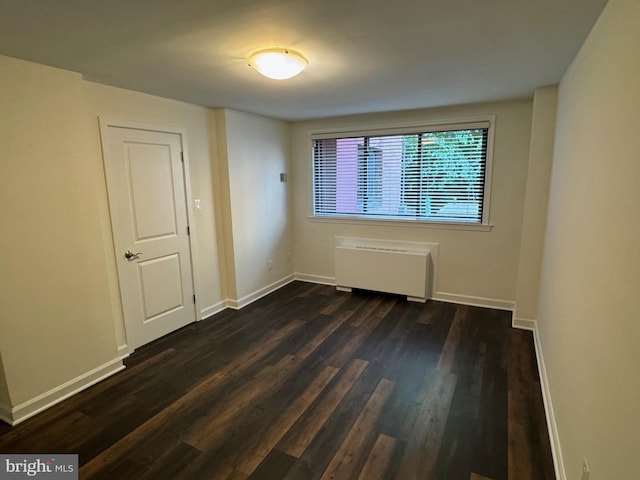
(429, 175)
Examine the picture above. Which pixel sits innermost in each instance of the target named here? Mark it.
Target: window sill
(485, 227)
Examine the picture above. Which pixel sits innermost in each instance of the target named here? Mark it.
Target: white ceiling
(365, 55)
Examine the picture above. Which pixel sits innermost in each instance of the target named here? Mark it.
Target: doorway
(146, 185)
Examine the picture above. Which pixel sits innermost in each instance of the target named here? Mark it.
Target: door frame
(107, 122)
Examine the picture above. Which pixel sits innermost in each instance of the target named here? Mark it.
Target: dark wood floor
(310, 383)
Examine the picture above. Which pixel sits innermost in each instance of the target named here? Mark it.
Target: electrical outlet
(270, 264)
(585, 470)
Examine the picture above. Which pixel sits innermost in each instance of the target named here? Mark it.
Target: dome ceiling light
(278, 63)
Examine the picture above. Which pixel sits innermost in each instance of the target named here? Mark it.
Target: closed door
(146, 186)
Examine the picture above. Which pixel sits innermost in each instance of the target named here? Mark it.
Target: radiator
(382, 266)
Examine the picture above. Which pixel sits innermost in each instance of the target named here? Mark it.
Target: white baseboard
(258, 294)
(56, 395)
(552, 427)
(523, 323)
(474, 301)
(124, 351)
(441, 296)
(309, 278)
(213, 309)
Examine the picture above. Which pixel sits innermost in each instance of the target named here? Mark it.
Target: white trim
(237, 304)
(310, 278)
(124, 351)
(361, 220)
(5, 413)
(191, 223)
(106, 121)
(474, 301)
(56, 395)
(230, 303)
(552, 427)
(213, 309)
(416, 299)
(523, 323)
(440, 296)
(394, 128)
(375, 128)
(382, 243)
(104, 124)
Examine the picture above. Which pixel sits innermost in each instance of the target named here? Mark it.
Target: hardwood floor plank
(295, 443)
(319, 453)
(275, 465)
(409, 369)
(235, 475)
(427, 314)
(331, 325)
(172, 464)
(163, 417)
(316, 289)
(384, 341)
(460, 438)
(423, 448)
(489, 429)
(378, 461)
(209, 431)
(435, 309)
(445, 363)
(337, 304)
(364, 313)
(475, 476)
(476, 426)
(275, 433)
(349, 457)
(16, 440)
(526, 451)
(208, 466)
(309, 382)
(121, 468)
(347, 346)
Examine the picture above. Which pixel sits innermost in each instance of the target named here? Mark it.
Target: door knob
(129, 255)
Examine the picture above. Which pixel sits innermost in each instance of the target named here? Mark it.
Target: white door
(145, 181)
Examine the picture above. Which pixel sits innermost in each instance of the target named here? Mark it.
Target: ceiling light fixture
(278, 63)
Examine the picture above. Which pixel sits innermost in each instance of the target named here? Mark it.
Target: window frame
(485, 121)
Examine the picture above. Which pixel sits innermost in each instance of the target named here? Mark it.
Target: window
(433, 174)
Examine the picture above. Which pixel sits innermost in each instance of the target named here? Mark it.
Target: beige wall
(589, 304)
(57, 318)
(472, 263)
(61, 311)
(537, 196)
(257, 151)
